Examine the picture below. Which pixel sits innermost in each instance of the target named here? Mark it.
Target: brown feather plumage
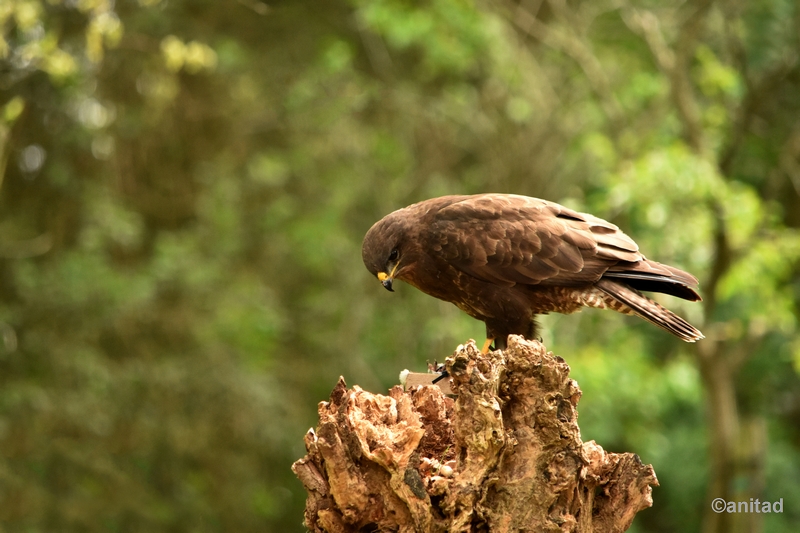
(505, 258)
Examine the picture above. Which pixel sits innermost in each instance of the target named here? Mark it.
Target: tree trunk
(505, 455)
(737, 445)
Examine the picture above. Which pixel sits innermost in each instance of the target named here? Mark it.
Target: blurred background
(184, 186)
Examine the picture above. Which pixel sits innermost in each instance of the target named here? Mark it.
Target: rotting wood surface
(505, 455)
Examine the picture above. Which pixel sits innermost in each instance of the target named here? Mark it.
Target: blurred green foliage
(184, 186)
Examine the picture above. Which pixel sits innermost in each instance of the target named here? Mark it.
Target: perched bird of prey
(504, 259)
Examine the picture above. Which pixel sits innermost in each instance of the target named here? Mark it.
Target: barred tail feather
(652, 311)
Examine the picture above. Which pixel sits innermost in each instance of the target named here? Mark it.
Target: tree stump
(505, 455)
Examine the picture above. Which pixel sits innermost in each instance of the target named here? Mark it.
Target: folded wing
(509, 240)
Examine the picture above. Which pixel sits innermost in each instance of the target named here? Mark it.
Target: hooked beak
(386, 281)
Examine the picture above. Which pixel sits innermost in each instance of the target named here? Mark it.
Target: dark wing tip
(650, 310)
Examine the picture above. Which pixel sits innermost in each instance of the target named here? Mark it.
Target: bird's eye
(393, 255)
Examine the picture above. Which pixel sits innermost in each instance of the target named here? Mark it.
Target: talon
(486, 346)
(444, 374)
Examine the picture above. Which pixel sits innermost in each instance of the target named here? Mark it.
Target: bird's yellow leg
(486, 346)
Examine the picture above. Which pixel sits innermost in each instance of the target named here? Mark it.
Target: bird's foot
(487, 346)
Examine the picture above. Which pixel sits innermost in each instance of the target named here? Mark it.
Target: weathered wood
(412, 380)
(505, 455)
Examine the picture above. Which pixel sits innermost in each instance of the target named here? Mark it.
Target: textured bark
(505, 455)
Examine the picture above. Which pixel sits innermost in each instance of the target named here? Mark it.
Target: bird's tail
(643, 307)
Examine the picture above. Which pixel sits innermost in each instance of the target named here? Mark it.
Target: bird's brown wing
(507, 239)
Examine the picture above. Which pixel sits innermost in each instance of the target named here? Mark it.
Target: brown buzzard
(504, 258)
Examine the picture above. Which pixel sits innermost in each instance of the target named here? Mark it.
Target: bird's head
(382, 250)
